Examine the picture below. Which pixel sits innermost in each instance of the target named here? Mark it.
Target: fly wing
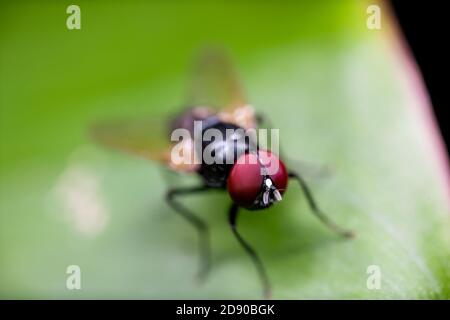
(215, 84)
(145, 138)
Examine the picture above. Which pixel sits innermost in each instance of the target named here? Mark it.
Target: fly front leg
(232, 219)
(198, 223)
(316, 210)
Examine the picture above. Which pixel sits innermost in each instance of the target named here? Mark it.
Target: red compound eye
(245, 179)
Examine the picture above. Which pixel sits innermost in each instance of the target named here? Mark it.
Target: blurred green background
(338, 92)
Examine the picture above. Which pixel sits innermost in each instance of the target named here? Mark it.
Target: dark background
(427, 35)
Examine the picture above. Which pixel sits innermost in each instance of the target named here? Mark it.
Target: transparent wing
(145, 138)
(215, 84)
(309, 170)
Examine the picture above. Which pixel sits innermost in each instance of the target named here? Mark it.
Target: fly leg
(316, 210)
(262, 119)
(232, 216)
(198, 223)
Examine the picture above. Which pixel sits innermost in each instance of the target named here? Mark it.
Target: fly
(241, 166)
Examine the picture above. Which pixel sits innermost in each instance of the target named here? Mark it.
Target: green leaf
(342, 95)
